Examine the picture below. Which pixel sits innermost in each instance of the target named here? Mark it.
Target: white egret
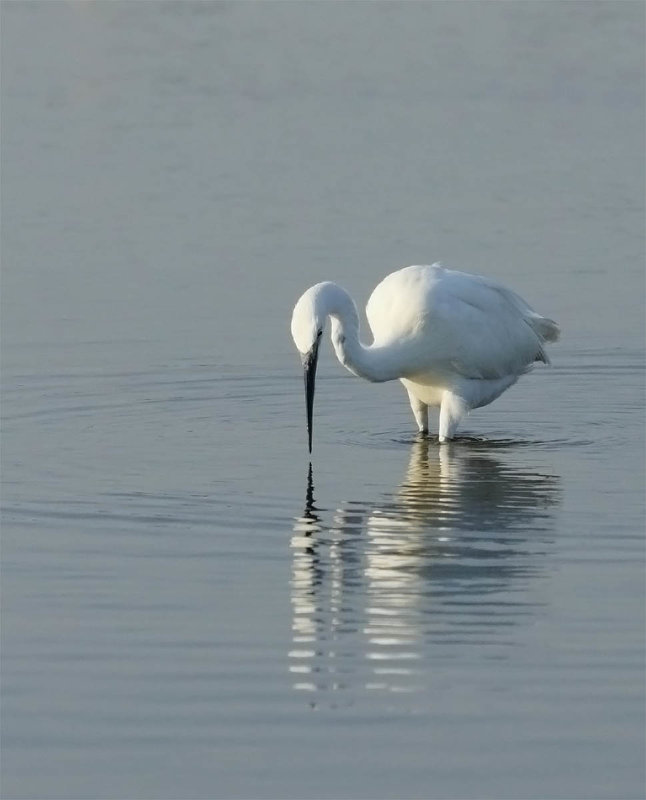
(456, 341)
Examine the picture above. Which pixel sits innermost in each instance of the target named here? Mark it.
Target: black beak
(310, 360)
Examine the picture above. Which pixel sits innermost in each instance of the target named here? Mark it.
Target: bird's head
(319, 302)
(308, 323)
(308, 319)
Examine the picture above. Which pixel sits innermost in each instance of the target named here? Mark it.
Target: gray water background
(186, 613)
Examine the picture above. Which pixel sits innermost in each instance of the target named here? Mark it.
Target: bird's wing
(452, 320)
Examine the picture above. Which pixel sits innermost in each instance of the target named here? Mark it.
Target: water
(188, 611)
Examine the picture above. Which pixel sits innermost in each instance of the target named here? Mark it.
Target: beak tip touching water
(310, 360)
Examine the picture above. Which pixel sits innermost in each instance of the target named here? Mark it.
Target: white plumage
(454, 340)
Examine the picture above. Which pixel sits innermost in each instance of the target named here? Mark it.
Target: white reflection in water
(445, 561)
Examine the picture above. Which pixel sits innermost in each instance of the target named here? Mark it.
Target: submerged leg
(420, 411)
(452, 410)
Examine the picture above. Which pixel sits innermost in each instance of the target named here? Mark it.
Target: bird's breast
(429, 389)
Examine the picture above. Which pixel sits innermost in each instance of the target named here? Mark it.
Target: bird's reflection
(449, 559)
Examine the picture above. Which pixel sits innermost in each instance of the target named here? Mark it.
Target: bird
(456, 341)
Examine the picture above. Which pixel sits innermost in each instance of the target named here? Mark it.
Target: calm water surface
(191, 609)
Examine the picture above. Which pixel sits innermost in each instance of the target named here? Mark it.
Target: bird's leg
(420, 411)
(452, 410)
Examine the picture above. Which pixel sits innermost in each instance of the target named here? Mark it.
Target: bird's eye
(319, 334)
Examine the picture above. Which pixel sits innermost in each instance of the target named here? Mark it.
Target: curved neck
(373, 363)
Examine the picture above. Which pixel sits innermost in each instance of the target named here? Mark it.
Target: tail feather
(547, 329)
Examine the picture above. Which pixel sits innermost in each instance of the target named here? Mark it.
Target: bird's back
(457, 321)
(400, 303)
